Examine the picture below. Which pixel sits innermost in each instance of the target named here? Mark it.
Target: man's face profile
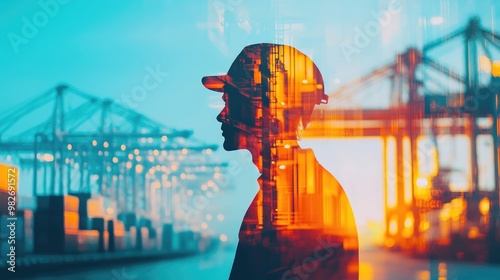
(269, 90)
(236, 118)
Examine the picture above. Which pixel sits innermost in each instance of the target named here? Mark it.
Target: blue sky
(106, 47)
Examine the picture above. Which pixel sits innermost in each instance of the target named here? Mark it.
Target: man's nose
(221, 116)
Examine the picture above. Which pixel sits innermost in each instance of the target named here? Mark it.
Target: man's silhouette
(300, 224)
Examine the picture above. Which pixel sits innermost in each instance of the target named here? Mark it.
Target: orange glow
(458, 206)
(138, 168)
(365, 271)
(423, 275)
(485, 64)
(409, 220)
(473, 233)
(445, 214)
(5, 170)
(407, 167)
(484, 206)
(71, 220)
(495, 69)
(93, 208)
(389, 242)
(391, 171)
(408, 225)
(424, 225)
(393, 226)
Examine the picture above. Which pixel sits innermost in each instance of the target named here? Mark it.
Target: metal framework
(93, 145)
(469, 107)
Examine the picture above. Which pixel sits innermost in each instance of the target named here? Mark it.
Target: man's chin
(229, 146)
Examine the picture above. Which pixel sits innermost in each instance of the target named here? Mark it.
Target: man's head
(269, 91)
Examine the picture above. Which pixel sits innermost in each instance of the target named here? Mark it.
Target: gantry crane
(416, 109)
(97, 145)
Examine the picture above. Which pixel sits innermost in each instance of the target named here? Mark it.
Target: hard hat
(276, 79)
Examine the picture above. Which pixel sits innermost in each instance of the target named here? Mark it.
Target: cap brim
(215, 83)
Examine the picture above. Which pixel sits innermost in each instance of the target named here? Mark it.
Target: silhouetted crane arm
(442, 69)
(81, 112)
(445, 39)
(492, 37)
(15, 113)
(378, 74)
(135, 119)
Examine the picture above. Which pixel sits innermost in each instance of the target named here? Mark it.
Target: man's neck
(256, 159)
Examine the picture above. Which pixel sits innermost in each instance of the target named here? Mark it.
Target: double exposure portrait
(250, 140)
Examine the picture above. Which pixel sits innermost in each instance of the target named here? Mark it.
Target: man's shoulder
(320, 169)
